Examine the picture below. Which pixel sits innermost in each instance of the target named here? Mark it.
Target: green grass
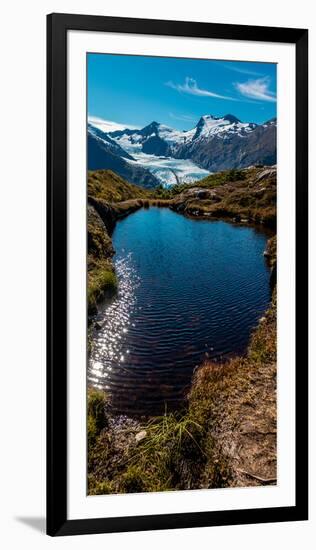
(102, 282)
(172, 446)
(110, 187)
(96, 417)
(220, 178)
(213, 180)
(102, 279)
(172, 443)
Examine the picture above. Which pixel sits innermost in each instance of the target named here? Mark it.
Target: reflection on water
(113, 323)
(188, 290)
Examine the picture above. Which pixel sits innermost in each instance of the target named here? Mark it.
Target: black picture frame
(57, 27)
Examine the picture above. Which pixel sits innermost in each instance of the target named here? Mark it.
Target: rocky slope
(246, 196)
(234, 149)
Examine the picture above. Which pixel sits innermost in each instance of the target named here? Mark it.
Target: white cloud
(231, 67)
(190, 86)
(185, 118)
(108, 125)
(256, 89)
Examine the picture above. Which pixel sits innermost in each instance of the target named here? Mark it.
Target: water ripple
(188, 291)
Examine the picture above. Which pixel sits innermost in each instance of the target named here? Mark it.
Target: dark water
(188, 290)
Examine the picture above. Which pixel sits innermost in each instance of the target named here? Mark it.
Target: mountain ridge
(215, 143)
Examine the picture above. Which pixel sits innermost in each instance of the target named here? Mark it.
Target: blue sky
(135, 90)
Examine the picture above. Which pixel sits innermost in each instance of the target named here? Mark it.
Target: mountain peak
(153, 124)
(205, 118)
(271, 121)
(231, 118)
(151, 128)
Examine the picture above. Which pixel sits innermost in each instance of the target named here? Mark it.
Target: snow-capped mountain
(208, 126)
(133, 140)
(224, 143)
(215, 143)
(223, 127)
(106, 142)
(105, 153)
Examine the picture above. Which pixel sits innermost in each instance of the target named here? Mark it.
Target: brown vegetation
(246, 196)
(108, 186)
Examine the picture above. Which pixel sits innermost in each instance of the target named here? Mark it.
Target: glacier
(168, 170)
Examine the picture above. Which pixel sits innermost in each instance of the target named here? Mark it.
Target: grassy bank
(110, 198)
(247, 196)
(109, 187)
(101, 275)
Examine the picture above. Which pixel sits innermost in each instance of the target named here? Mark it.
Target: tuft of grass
(102, 282)
(96, 415)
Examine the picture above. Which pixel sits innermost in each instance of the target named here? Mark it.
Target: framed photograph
(176, 274)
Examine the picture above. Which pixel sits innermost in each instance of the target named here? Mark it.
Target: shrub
(235, 175)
